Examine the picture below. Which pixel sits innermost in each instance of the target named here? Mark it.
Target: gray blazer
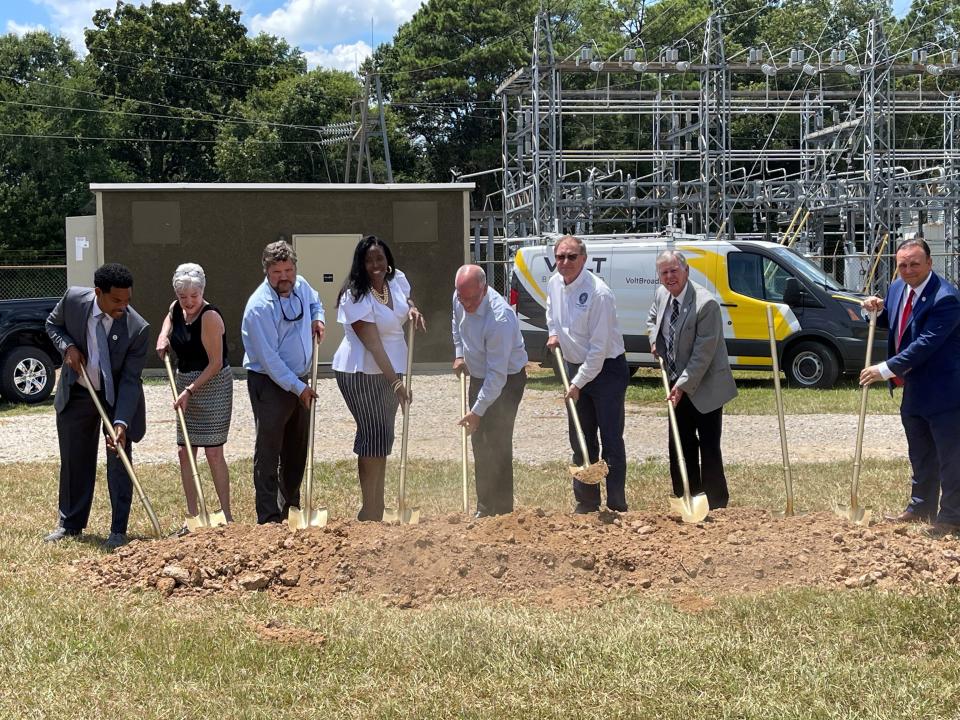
(128, 339)
(701, 352)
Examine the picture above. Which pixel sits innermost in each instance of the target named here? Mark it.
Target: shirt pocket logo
(582, 300)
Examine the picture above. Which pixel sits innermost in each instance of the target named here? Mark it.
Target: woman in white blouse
(373, 306)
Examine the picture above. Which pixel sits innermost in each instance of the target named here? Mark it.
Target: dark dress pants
(79, 432)
(493, 446)
(935, 459)
(700, 440)
(600, 409)
(280, 453)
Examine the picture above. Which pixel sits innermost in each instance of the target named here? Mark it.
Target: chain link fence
(32, 274)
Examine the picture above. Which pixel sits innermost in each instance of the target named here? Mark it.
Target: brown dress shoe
(942, 529)
(907, 516)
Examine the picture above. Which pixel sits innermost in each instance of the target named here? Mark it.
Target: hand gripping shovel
(308, 515)
(787, 478)
(203, 518)
(691, 509)
(855, 513)
(463, 439)
(588, 474)
(123, 455)
(403, 514)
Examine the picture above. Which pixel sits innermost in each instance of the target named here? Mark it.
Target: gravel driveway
(540, 434)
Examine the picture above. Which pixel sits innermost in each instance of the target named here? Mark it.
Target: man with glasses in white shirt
(922, 312)
(279, 322)
(582, 322)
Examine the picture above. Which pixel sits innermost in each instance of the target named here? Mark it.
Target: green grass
(796, 654)
(755, 395)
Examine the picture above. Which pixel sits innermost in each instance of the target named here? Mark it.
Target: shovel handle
(868, 360)
(675, 431)
(787, 478)
(122, 453)
(308, 484)
(201, 500)
(463, 439)
(572, 407)
(407, 382)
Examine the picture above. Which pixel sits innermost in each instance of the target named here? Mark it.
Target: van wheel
(27, 375)
(811, 365)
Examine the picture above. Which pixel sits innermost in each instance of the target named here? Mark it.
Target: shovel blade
(299, 519)
(856, 515)
(391, 516)
(217, 519)
(694, 512)
(411, 516)
(590, 474)
(193, 523)
(213, 520)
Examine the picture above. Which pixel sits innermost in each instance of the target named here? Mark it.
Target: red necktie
(907, 309)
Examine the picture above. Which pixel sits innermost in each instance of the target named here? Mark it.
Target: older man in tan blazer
(686, 329)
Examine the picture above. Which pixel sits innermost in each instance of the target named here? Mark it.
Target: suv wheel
(27, 375)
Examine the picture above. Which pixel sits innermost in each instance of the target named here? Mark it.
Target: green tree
(50, 120)
(181, 67)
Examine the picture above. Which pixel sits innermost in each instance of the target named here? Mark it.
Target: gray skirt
(209, 410)
(373, 405)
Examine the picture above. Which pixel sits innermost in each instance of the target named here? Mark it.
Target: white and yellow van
(820, 329)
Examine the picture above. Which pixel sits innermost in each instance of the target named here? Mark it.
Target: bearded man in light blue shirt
(281, 318)
(489, 346)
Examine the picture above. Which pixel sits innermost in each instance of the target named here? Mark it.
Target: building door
(324, 260)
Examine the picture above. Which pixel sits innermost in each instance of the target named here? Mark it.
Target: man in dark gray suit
(96, 328)
(686, 329)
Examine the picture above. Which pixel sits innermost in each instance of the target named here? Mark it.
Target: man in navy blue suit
(922, 312)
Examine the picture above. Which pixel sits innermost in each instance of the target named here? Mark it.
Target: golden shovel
(787, 478)
(463, 439)
(403, 514)
(203, 518)
(309, 516)
(854, 513)
(587, 474)
(691, 509)
(123, 455)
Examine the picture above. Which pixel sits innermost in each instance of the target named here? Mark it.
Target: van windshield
(806, 269)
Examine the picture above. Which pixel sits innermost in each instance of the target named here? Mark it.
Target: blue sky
(332, 33)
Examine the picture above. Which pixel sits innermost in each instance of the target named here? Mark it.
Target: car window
(756, 276)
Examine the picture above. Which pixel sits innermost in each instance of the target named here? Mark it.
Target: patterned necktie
(671, 340)
(104, 360)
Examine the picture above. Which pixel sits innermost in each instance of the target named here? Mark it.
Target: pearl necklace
(381, 297)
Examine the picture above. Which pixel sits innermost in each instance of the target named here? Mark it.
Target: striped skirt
(373, 405)
(209, 410)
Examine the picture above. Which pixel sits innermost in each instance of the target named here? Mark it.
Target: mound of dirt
(535, 557)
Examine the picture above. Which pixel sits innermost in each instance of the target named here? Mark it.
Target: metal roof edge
(274, 187)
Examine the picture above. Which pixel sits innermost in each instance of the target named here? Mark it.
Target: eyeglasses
(569, 257)
(283, 312)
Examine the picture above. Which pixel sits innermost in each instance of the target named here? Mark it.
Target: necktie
(907, 310)
(671, 340)
(105, 368)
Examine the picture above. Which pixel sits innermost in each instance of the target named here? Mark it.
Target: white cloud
(341, 57)
(323, 22)
(15, 28)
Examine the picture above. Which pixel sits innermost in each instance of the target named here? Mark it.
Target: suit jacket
(127, 340)
(701, 352)
(929, 357)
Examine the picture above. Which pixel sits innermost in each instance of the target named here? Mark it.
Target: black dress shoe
(582, 509)
(61, 533)
(908, 516)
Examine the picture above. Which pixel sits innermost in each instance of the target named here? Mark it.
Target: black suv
(27, 357)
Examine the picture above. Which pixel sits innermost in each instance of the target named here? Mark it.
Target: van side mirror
(793, 293)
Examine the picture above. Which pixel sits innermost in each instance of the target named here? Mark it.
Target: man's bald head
(471, 284)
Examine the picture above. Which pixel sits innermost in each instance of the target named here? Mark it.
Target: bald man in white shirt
(582, 322)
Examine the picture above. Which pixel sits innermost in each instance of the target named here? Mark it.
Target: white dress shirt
(352, 355)
(490, 343)
(885, 372)
(583, 316)
(93, 345)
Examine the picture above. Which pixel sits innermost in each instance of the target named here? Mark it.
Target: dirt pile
(535, 557)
